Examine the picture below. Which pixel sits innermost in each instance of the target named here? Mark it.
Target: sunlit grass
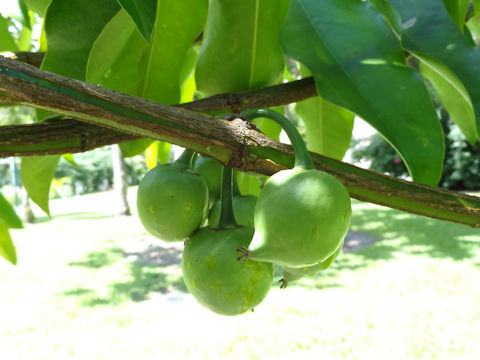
(92, 286)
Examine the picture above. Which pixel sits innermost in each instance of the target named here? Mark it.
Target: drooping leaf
(37, 173)
(122, 60)
(134, 147)
(142, 13)
(25, 16)
(71, 28)
(7, 43)
(328, 127)
(458, 10)
(452, 93)
(390, 15)
(429, 29)
(38, 6)
(358, 64)
(7, 249)
(157, 152)
(70, 159)
(240, 48)
(8, 215)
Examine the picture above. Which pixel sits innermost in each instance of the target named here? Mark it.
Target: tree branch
(233, 143)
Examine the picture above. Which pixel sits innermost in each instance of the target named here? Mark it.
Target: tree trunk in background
(120, 181)
(28, 215)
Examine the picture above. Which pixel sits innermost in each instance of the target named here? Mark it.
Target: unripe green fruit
(291, 274)
(301, 217)
(216, 279)
(211, 171)
(243, 209)
(172, 202)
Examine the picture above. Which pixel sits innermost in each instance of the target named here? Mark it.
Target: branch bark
(234, 143)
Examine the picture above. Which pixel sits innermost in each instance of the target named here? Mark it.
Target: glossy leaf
(358, 64)
(121, 59)
(240, 49)
(452, 93)
(249, 183)
(142, 13)
(8, 215)
(390, 15)
(38, 6)
(71, 28)
(328, 127)
(458, 11)
(70, 159)
(37, 173)
(134, 147)
(7, 43)
(157, 152)
(429, 29)
(25, 16)
(7, 249)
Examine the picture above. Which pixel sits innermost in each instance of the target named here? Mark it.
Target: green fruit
(243, 209)
(211, 171)
(172, 202)
(301, 217)
(291, 274)
(216, 279)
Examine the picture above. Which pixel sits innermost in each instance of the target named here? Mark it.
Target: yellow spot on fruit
(210, 263)
(214, 284)
(195, 284)
(170, 195)
(187, 208)
(152, 209)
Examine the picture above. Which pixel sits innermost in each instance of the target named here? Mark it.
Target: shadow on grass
(151, 270)
(396, 232)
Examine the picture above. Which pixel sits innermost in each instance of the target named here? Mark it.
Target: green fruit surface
(243, 209)
(172, 202)
(211, 171)
(301, 217)
(291, 274)
(215, 277)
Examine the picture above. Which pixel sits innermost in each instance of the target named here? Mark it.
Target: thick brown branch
(233, 143)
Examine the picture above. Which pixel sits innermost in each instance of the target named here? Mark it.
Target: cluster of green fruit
(299, 222)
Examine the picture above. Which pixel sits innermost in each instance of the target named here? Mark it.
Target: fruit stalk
(303, 160)
(227, 217)
(186, 159)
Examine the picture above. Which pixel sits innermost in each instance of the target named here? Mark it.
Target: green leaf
(476, 7)
(121, 59)
(70, 159)
(142, 13)
(71, 28)
(7, 43)
(390, 15)
(8, 216)
(429, 29)
(240, 49)
(452, 93)
(250, 183)
(38, 6)
(7, 249)
(458, 11)
(37, 173)
(26, 17)
(358, 64)
(134, 147)
(328, 127)
(474, 26)
(157, 152)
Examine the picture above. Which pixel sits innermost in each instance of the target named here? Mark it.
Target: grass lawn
(92, 286)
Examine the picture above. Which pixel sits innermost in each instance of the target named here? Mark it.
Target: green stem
(236, 190)
(303, 160)
(227, 217)
(185, 160)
